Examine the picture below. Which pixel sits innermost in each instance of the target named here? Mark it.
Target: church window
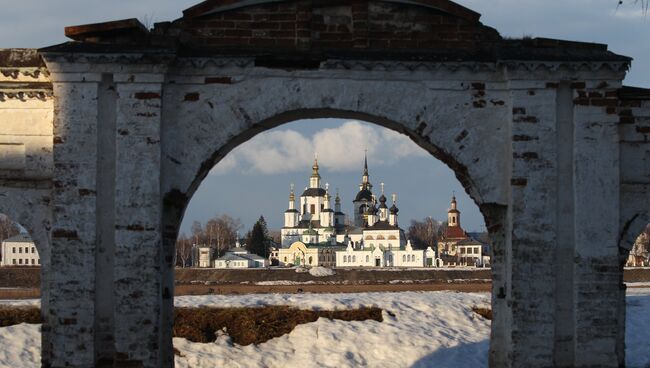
(20, 249)
(14, 249)
(403, 258)
(322, 207)
(20, 261)
(311, 259)
(313, 208)
(14, 261)
(354, 258)
(367, 258)
(285, 259)
(380, 237)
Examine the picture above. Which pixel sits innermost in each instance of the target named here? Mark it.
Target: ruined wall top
(314, 30)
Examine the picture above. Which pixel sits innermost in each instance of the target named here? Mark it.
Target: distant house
(239, 257)
(20, 250)
(634, 260)
(469, 252)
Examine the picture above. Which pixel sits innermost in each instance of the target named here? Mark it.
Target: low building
(20, 250)
(382, 256)
(239, 257)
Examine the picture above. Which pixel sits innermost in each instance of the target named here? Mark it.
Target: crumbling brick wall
(312, 25)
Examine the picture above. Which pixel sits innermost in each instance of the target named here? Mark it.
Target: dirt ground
(293, 289)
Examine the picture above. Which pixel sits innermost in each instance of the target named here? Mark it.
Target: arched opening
(21, 290)
(635, 297)
(242, 197)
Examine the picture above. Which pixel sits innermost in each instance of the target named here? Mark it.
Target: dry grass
(255, 325)
(483, 312)
(10, 316)
(20, 293)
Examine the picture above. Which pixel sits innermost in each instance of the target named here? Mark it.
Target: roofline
(215, 6)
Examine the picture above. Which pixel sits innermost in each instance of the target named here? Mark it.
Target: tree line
(221, 233)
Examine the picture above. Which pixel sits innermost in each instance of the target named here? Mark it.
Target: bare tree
(221, 232)
(183, 249)
(645, 4)
(276, 236)
(197, 233)
(7, 228)
(642, 244)
(424, 234)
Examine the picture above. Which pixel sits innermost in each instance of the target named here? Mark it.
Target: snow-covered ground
(423, 329)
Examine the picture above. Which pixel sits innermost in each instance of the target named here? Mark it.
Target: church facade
(314, 234)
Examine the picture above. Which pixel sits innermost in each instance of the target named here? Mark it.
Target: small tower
(327, 215)
(453, 215)
(383, 208)
(339, 216)
(291, 215)
(392, 218)
(314, 180)
(371, 213)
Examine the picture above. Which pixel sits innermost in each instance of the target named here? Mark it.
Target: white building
(379, 256)
(205, 257)
(314, 234)
(20, 250)
(239, 257)
(309, 254)
(471, 252)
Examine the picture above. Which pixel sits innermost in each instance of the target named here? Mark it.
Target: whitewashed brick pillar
(106, 308)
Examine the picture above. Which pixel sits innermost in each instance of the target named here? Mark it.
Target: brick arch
(632, 227)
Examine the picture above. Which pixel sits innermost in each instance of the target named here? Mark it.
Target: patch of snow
(21, 302)
(284, 283)
(421, 329)
(319, 271)
(301, 270)
(637, 284)
(21, 346)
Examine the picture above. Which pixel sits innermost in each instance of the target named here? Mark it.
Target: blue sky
(240, 186)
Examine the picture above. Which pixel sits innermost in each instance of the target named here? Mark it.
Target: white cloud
(339, 149)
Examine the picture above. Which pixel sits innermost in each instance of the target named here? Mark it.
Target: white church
(314, 234)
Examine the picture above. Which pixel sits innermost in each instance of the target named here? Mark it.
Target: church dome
(314, 192)
(364, 195)
(394, 210)
(382, 200)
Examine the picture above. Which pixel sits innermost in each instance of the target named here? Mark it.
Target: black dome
(364, 195)
(314, 192)
(394, 210)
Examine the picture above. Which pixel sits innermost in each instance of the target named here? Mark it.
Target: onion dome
(382, 201)
(394, 210)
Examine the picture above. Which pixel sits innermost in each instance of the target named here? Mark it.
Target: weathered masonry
(103, 141)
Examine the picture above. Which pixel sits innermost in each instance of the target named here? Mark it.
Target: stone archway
(141, 115)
